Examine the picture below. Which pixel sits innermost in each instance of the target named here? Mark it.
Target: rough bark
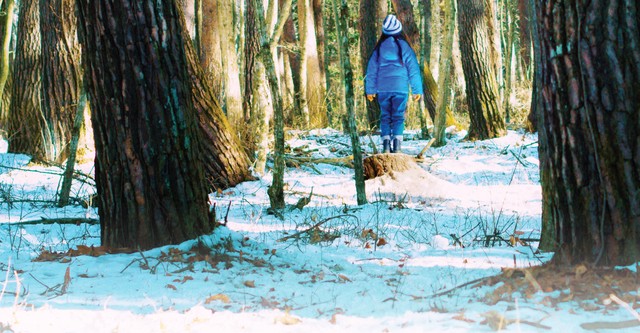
(590, 129)
(210, 51)
(231, 94)
(304, 31)
(25, 113)
(61, 75)
(481, 87)
(149, 174)
(372, 12)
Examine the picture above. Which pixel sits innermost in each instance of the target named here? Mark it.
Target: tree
(149, 177)
(370, 27)
(61, 76)
(446, 72)
(341, 15)
(6, 28)
(481, 87)
(590, 129)
(25, 114)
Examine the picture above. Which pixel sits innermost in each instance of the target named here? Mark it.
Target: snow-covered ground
(401, 263)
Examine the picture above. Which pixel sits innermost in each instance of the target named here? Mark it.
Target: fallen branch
(610, 325)
(68, 220)
(346, 161)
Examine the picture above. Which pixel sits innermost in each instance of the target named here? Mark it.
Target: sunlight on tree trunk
(482, 89)
(372, 12)
(444, 78)
(61, 75)
(6, 29)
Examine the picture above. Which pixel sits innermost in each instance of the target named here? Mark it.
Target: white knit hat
(391, 25)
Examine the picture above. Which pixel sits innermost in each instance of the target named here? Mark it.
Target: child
(392, 68)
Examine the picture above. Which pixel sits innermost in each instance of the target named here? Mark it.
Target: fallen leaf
(170, 286)
(67, 280)
(288, 319)
(250, 283)
(381, 242)
(218, 297)
(344, 278)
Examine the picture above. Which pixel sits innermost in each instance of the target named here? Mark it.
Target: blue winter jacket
(385, 72)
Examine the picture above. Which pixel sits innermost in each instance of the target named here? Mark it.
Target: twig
(297, 234)
(448, 291)
(626, 306)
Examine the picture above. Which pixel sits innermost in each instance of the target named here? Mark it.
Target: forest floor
(449, 245)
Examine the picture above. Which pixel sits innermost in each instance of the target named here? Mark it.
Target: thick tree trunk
(149, 174)
(524, 30)
(372, 12)
(590, 129)
(61, 75)
(482, 88)
(26, 122)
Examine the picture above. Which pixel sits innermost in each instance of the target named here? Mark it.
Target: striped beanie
(391, 25)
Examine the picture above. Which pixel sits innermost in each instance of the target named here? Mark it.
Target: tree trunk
(372, 12)
(289, 38)
(482, 89)
(304, 32)
(444, 77)
(149, 175)
(590, 129)
(404, 9)
(25, 114)
(524, 30)
(6, 29)
(232, 95)
(342, 18)
(210, 54)
(61, 75)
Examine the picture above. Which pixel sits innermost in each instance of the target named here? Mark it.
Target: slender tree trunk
(444, 77)
(61, 75)
(482, 88)
(590, 129)
(289, 37)
(6, 29)
(342, 18)
(303, 32)
(372, 12)
(149, 175)
(524, 32)
(536, 99)
(78, 122)
(26, 121)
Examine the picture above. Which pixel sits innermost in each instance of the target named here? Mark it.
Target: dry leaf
(580, 270)
(250, 283)
(344, 278)
(381, 242)
(218, 297)
(170, 286)
(67, 280)
(288, 319)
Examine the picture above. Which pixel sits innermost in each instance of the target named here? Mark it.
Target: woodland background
(190, 97)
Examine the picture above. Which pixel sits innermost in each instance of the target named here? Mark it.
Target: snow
(393, 265)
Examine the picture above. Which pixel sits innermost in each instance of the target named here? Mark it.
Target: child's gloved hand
(371, 97)
(417, 97)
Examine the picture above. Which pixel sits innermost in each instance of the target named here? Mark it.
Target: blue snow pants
(392, 108)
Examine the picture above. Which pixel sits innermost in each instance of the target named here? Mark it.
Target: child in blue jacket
(392, 68)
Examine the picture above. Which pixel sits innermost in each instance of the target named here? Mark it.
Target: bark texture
(61, 75)
(476, 46)
(25, 113)
(149, 176)
(590, 128)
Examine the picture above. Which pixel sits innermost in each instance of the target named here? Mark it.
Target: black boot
(396, 146)
(386, 146)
